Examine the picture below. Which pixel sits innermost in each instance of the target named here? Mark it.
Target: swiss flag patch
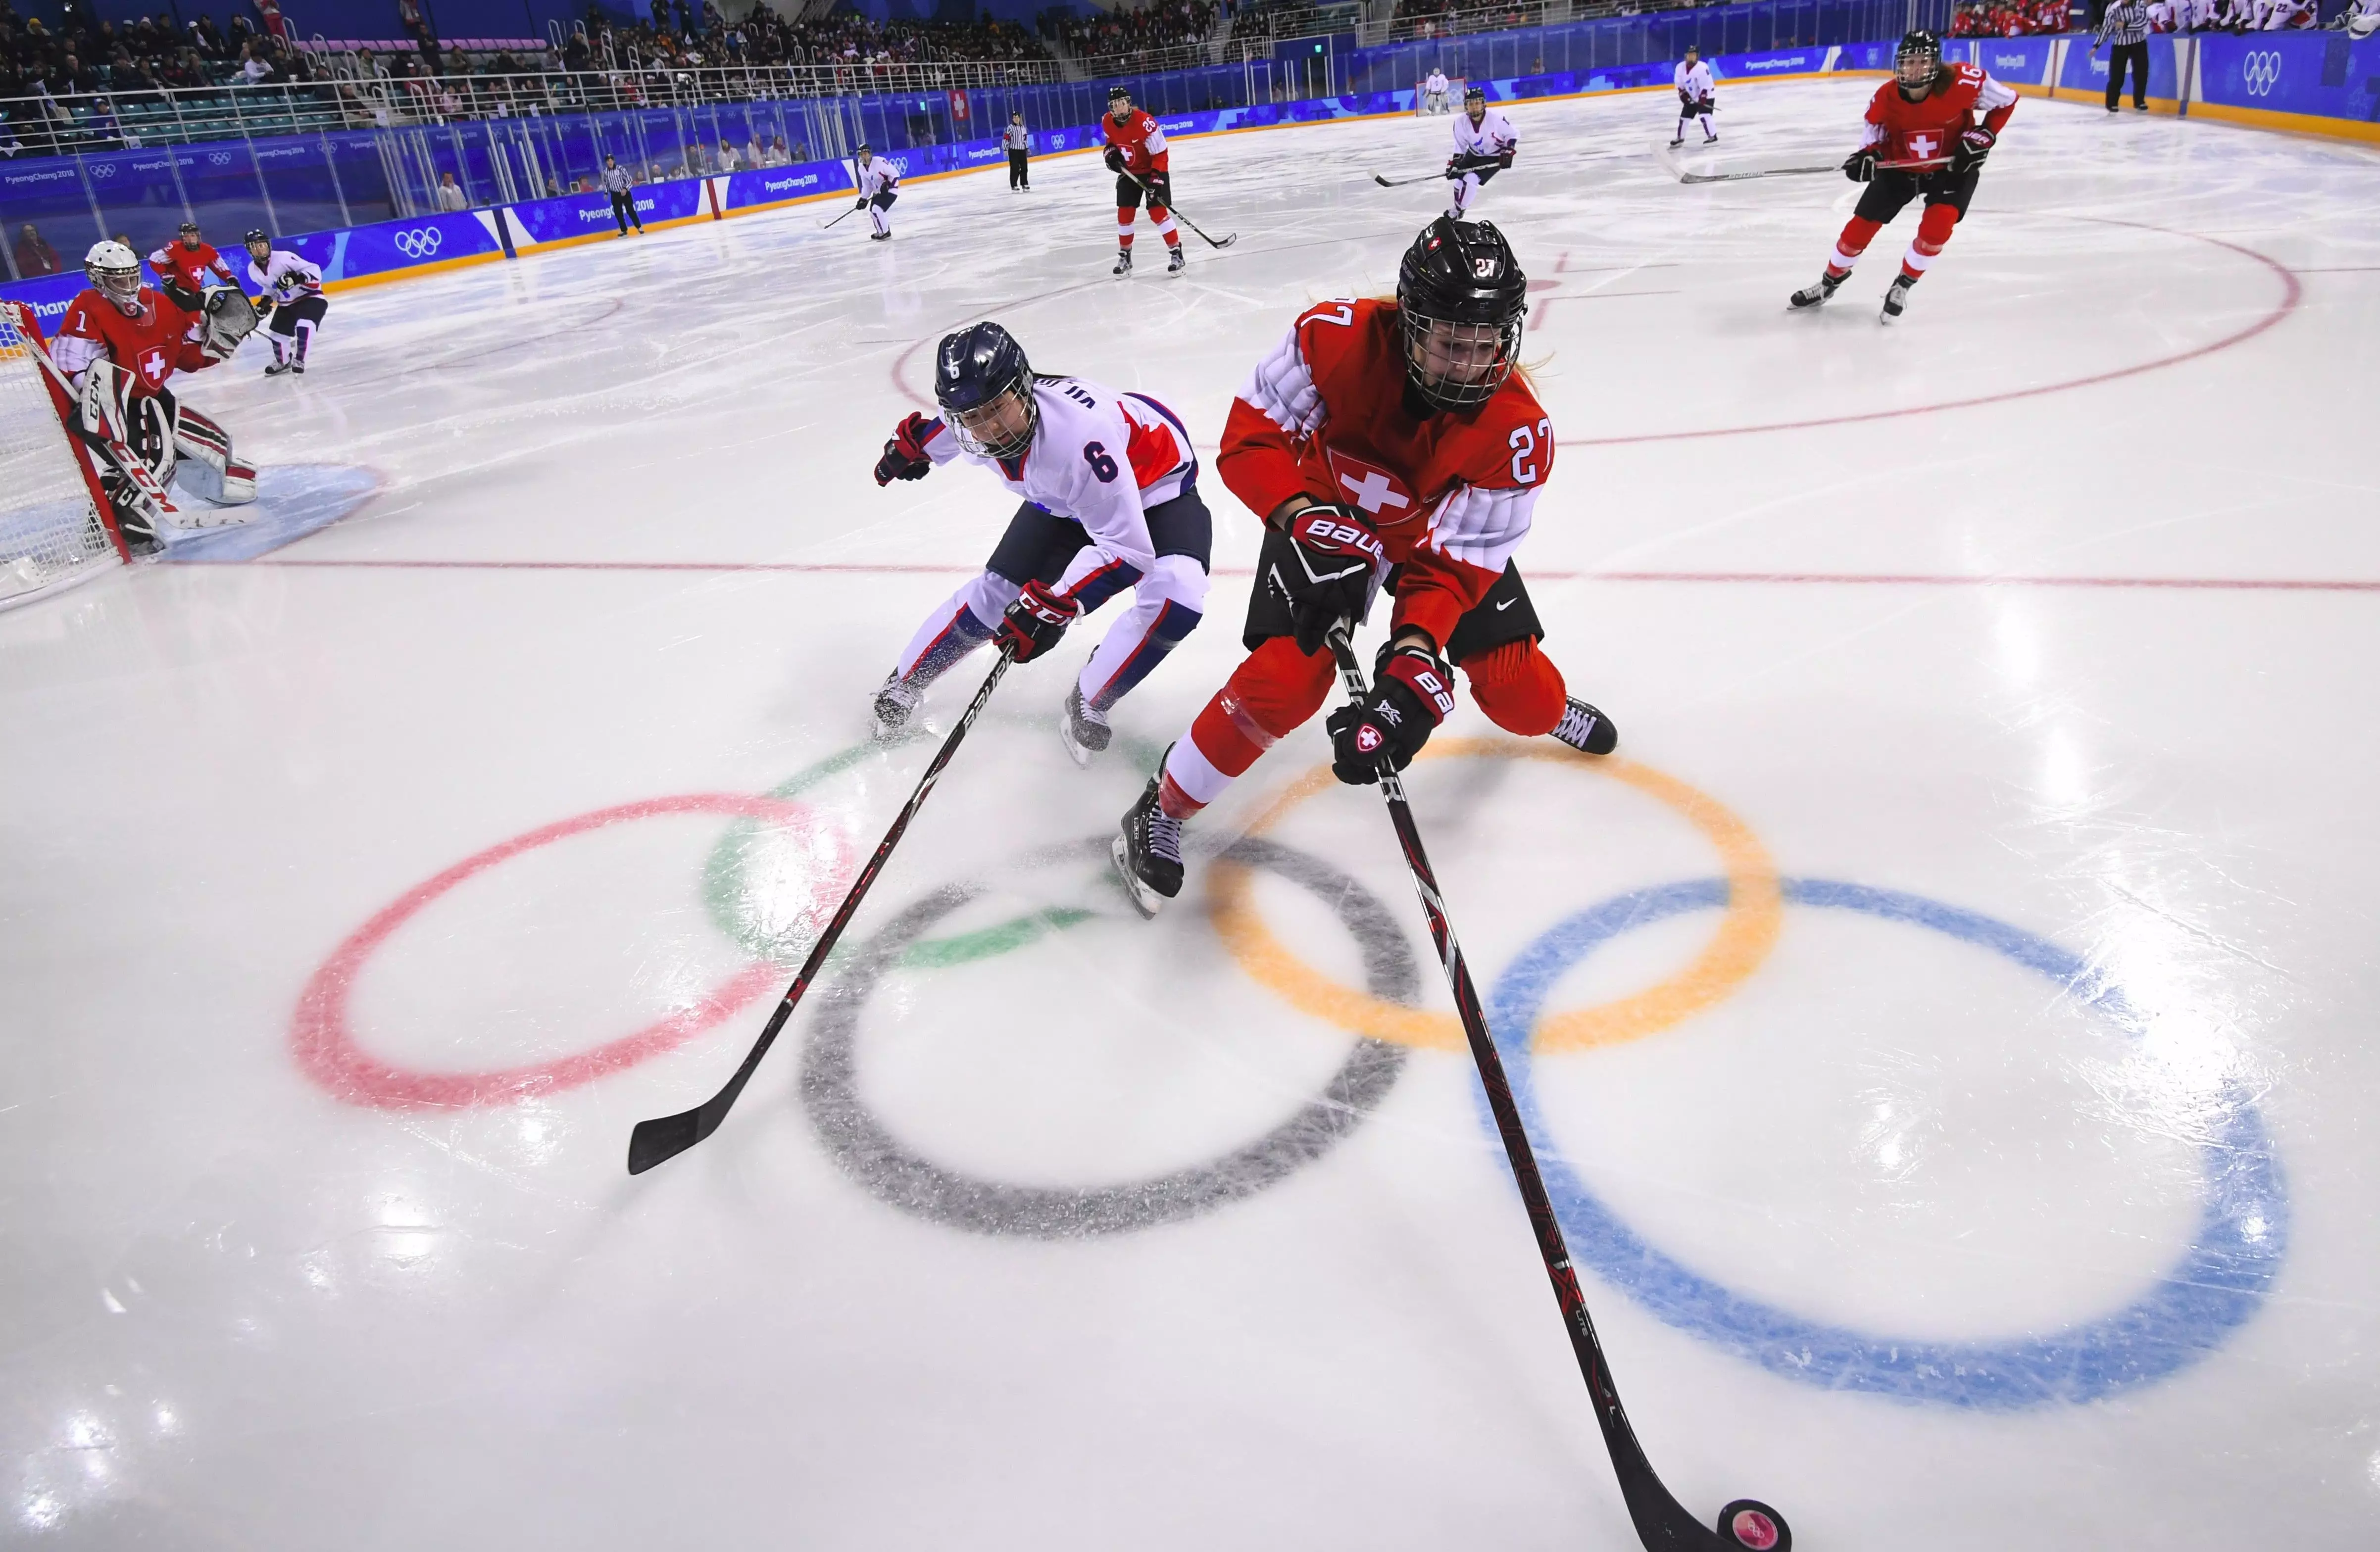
(1379, 494)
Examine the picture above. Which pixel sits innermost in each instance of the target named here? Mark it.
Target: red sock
(1273, 691)
(1932, 233)
(1858, 232)
(1124, 225)
(1519, 687)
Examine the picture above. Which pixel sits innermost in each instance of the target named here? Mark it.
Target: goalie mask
(114, 272)
(1917, 62)
(1461, 299)
(985, 388)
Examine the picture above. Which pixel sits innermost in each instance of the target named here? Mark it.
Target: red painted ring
(328, 1052)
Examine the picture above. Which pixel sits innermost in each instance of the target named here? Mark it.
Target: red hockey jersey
(1324, 415)
(1926, 132)
(152, 345)
(1141, 140)
(190, 267)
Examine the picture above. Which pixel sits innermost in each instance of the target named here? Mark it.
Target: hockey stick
(1229, 238)
(1400, 183)
(829, 225)
(664, 1137)
(1662, 1524)
(143, 480)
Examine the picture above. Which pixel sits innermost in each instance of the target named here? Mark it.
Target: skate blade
(1079, 753)
(1144, 900)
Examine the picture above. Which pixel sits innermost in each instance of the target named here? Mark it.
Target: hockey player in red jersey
(1144, 170)
(1928, 130)
(1387, 444)
(184, 265)
(118, 344)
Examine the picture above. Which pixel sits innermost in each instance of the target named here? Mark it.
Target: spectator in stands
(252, 67)
(728, 161)
(450, 194)
(34, 254)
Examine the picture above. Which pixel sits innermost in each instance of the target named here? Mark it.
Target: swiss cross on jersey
(1376, 491)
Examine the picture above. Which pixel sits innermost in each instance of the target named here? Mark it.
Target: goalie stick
(664, 1137)
(159, 507)
(1228, 238)
(1662, 1524)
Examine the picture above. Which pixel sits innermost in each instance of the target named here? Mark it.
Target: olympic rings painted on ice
(2218, 1284)
(1746, 934)
(868, 1152)
(325, 1045)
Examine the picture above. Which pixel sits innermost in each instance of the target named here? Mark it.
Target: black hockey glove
(904, 452)
(1034, 621)
(862, 204)
(1972, 147)
(1686, 102)
(1412, 692)
(1114, 159)
(1504, 159)
(1860, 165)
(1161, 190)
(1336, 560)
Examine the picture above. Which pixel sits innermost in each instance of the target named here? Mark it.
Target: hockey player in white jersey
(1112, 504)
(295, 287)
(1433, 92)
(1697, 92)
(1484, 146)
(877, 183)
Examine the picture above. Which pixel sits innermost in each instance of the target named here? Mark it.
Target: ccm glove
(1860, 165)
(1036, 621)
(1336, 560)
(1114, 159)
(1972, 147)
(1412, 692)
(904, 452)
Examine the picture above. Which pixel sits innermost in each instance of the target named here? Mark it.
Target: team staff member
(1018, 139)
(624, 196)
(2126, 29)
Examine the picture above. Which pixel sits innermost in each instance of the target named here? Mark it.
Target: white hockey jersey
(876, 177)
(1694, 81)
(1100, 457)
(285, 277)
(1492, 137)
(1436, 83)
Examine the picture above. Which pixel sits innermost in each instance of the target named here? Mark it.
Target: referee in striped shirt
(2126, 29)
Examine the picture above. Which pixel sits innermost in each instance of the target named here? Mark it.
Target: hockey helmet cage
(1918, 59)
(113, 272)
(1460, 301)
(972, 370)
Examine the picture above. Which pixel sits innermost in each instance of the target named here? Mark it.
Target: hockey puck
(1749, 1523)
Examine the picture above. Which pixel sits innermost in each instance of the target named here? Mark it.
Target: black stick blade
(664, 1137)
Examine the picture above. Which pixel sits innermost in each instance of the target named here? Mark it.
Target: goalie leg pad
(208, 470)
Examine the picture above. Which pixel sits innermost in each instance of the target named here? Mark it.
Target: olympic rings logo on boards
(417, 242)
(2219, 1282)
(2261, 71)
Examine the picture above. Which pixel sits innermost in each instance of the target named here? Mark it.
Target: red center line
(1769, 578)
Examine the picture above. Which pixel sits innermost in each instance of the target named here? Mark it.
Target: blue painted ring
(2216, 1286)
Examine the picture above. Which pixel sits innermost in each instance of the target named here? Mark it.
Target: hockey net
(51, 535)
(1424, 107)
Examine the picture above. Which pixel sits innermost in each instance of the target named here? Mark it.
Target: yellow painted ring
(1746, 931)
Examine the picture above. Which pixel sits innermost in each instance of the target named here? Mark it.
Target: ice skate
(897, 700)
(1176, 259)
(1677, 140)
(1148, 850)
(1585, 729)
(1896, 300)
(1083, 730)
(1812, 295)
(1123, 261)
(277, 368)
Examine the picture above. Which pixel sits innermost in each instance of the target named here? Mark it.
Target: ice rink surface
(1949, 1028)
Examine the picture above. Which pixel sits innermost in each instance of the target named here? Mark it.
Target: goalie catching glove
(230, 317)
(1036, 621)
(1336, 563)
(1413, 691)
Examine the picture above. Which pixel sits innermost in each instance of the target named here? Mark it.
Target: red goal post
(55, 529)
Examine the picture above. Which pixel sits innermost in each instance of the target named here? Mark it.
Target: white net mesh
(49, 534)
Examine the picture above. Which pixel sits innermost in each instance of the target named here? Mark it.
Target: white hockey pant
(1167, 604)
(1466, 189)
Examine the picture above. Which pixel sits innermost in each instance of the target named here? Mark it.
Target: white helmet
(115, 271)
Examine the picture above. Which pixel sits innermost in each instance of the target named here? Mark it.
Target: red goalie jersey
(1906, 132)
(1323, 415)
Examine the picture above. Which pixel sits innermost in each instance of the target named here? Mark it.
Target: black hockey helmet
(1918, 59)
(1461, 299)
(974, 370)
(1474, 94)
(257, 235)
(1118, 94)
